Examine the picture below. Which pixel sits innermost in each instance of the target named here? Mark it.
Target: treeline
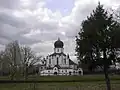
(18, 61)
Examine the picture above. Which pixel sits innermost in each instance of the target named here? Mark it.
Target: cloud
(9, 4)
(36, 24)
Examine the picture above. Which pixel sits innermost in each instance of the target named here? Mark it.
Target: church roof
(71, 62)
(58, 44)
(54, 54)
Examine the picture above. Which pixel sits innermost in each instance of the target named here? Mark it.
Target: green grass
(59, 86)
(71, 78)
(67, 78)
(88, 82)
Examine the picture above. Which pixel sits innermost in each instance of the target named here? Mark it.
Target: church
(58, 63)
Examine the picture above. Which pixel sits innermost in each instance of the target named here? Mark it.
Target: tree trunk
(11, 77)
(26, 73)
(107, 79)
(12, 73)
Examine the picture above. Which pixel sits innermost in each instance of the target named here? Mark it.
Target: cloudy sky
(38, 23)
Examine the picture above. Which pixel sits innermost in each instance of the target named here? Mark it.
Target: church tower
(58, 57)
(58, 63)
(58, 46)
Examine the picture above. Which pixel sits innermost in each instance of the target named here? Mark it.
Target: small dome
(58, 44)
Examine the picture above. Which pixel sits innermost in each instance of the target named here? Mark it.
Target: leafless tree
(12, 57)
(2, 61)
(28, 60)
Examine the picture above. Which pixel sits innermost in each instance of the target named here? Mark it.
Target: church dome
(58, 44)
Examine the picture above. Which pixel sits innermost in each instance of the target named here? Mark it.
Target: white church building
(59, 63)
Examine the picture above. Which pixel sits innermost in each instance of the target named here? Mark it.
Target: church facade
(59, 63)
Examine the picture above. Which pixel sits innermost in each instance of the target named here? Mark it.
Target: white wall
(61, 61)
(61, 72)
(58, 50)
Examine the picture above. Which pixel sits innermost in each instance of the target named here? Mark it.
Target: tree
(116, 35)
(1, 59)
(28, 60)
(97, 42)
(12, 57)
(3, 65)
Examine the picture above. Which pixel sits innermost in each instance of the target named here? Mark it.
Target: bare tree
(28, 60)
(2, 62)
(12, 57)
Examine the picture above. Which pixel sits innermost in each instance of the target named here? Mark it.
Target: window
(57, 60)
(65, 60)
(66, 70)
(57, 50)
(69, 73)
(49, 61)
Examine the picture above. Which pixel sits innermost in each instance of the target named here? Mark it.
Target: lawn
(60, 86)
(67, 78)
(88, 82)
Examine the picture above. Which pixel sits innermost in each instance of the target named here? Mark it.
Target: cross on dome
(58, 38)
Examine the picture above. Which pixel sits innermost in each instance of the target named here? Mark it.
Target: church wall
(46, 72)
(73, 66)
(61, 72)
(50, 61)
(63, 62)
(53, 61)
(67, 60)
(47, 62)
(58, 50)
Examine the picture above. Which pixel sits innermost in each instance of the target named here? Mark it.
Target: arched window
(55, 73)
(49, 61)
(65, 60)
(79, 72)
(57, 60)
(70, 73)
(57, 50)
(66, 70)
(74, 72)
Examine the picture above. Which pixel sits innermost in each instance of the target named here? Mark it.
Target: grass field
(89, 82)
(67, 78)
(59, 86)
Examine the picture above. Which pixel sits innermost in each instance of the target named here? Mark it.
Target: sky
(38, 23)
